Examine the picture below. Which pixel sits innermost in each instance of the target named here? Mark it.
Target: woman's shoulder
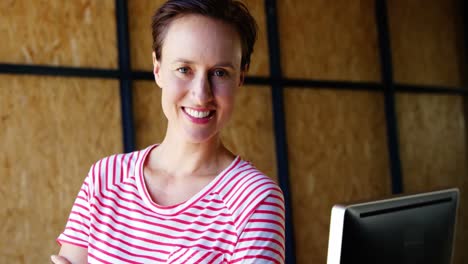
(118, 166)
(243, 173)
(246, 184)
(245, 188)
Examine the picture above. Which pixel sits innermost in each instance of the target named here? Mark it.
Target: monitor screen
(407, 229)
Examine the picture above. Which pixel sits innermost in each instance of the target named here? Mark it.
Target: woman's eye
(183, 70)
(219, 73)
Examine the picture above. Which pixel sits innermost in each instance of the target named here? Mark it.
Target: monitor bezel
(339, 211)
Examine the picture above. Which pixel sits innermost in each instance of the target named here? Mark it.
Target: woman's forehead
(200, 38)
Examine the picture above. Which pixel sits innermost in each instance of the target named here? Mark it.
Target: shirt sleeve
(262, 240)
(77, 228)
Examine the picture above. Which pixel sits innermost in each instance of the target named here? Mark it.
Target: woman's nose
(201, 90)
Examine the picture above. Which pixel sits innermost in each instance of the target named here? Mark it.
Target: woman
(188, 199)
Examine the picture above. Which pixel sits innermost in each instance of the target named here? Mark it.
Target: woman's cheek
(225, 89)
(175, 88)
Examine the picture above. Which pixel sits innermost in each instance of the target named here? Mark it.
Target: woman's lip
(200, 109)
(197, 120)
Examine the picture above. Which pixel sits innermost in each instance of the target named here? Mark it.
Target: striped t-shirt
(237, 218)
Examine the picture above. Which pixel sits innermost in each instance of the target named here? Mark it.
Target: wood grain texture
(72, 33)
(427, 42)
(51, 131)
(323, 39)
(140, 13)
(260, 62)
(139, 26)
(250, 130)
(338, 154)
(433, 151)
(149, 119)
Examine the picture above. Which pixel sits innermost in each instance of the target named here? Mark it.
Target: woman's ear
(156, 71)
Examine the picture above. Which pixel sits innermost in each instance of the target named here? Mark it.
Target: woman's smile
(199, 116)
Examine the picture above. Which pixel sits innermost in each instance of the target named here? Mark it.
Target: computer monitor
(407, 229)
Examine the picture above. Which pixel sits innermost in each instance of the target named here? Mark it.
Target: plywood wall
(426, 41)
(149, 119)
(250, 131)
(141, 40)
(433, 151)
(323, 39)
(139, 25)
(428, 49)
(51, 131)
(56, 32)
(338, 153)
(260, 62)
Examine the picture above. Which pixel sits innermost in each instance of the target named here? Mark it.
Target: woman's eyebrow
(225, 65)
(181, 60)
(221, 64)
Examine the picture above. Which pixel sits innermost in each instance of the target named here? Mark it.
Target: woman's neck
(180, 158)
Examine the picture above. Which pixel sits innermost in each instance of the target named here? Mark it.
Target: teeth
(197, 114)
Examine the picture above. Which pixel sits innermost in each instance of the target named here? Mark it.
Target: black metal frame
(389, 95)
(121, 12)
(282, 164)
(276, 81)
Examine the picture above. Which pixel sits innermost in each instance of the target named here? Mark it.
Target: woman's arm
(71, 254)
(74, 239)
(263, 240)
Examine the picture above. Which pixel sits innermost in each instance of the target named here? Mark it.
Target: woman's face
(199, 72)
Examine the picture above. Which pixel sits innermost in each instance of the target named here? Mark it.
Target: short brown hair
(230, 11)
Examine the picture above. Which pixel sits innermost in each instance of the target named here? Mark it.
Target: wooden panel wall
(432, 128)
(427, 45)
(141, 39)
(51, 131)
(59, 32)
(337, 41)
(336, 139)
(150, 121)
(323, 39)
(338, 153)
(250, 131)
(139, 25)
(260, 62)
(427, 41)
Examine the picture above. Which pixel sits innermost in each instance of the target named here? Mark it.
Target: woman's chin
(199, 137)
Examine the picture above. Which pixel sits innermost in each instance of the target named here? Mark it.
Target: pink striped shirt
(236, 218)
